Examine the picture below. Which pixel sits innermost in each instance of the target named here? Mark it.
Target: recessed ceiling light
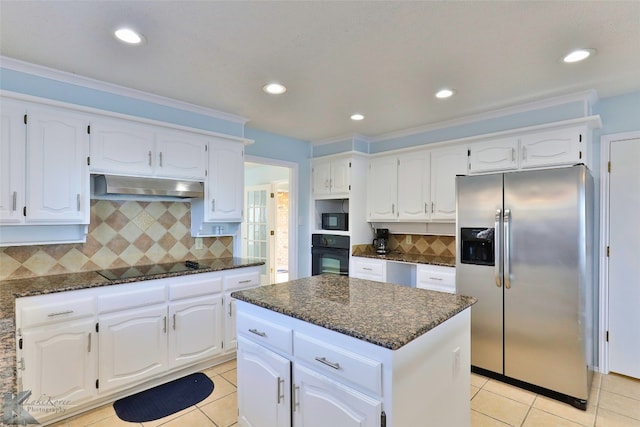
(128, 35)
(357, 117)
(444, 93)
(274, 88)
(578, 55)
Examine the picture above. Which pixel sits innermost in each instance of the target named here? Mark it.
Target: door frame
(603, 303)
(293, 207)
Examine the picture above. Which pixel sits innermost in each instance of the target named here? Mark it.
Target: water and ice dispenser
(477, 246)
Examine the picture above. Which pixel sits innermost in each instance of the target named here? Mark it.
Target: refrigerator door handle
(498, 248)
(507, 250)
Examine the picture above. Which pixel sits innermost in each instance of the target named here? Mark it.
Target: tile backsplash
(417, 244)
(121, 233)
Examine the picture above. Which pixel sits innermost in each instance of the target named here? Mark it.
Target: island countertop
(384, 314)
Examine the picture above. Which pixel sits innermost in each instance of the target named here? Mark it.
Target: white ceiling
(384, 59)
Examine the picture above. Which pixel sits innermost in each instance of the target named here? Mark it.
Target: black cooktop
(148, 270)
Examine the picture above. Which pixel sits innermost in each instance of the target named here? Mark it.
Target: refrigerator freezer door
(543, 335)
(478, 200)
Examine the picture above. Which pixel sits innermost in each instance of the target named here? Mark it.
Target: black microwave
(335, 221)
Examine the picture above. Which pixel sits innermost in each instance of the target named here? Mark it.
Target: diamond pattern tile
(426, 245)
(120, 234)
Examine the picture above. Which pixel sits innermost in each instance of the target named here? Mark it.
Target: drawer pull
(436, 278)
(245, 281)
(60, 313)
(295, 404)
(174, 321)
(324, 361)
(367, 268)
(164, 324)
(257, 332)
(89, 345)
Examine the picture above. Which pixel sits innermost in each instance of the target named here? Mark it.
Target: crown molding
(588, 99)
(341, 138)
(87, 82)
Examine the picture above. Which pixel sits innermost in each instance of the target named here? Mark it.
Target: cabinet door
(120, 146)
(57, 178)
(321, 178)
(382, 189)
(12, 162)
(446, 163)
(264, 387)
(499, 155)
(320, 402)
(340, 173)
(551, 148)
(133, 346)
(60, 362)
(225, 194)
(414, 179)
(368, 269)
(181, 155)
(195, 330)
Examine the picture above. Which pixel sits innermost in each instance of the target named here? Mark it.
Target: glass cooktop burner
(148, 270)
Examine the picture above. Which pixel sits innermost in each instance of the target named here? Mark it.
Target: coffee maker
(381, 242)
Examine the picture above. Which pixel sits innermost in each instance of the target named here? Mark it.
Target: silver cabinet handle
(15, 200)
(89, 345)
(213, 205)
(164, 327)
(425, 207)
(432, 207)
(324, 361)
(245, 281)
(257, 332)
(78, 201)
(436, 278)
(513, 154)
(295, 404)
(59, 313)
(280, 396)
(393, 208)
(174, 321)
(524, 152)
(497, 249)
(150, 157)
(230, 306)
(507, 249)
(161, 159)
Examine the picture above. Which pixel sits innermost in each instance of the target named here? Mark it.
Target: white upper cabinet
(414, 178)
(446, 163)
(129, 148)
(331, 177)
(550, 148)
(382, 189)
(225, 186)
(494, 155)
(12, 162)
(57, 175)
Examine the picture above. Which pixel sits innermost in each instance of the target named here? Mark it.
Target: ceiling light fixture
(129, 36)
(578, 55)
(274, 88)
(357, 117)
(444, 93)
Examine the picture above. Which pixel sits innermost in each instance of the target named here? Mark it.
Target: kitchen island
(334, 350)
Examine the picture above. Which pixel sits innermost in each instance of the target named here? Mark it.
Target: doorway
(620, 269)
(268, 228)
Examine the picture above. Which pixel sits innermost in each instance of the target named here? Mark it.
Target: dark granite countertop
(12, 289)
(411, 258)
(381, 313)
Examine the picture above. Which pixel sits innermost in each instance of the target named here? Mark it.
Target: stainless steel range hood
(114, 185)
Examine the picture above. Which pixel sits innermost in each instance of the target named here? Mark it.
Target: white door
(321, 402)
(12, 162)
(195, 330)
(264, 387)
(181, 155)
(226, 181)
(414, 179)
(133, 346)
(624, 269)
(257, 228)
(446, 163)
(340, 174)
(382, 191)
(321, 178)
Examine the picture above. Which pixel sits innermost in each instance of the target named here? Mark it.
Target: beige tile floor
(614, 402)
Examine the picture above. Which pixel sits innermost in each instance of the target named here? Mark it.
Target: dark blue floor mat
(165, 399)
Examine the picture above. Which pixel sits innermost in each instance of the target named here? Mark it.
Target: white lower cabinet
(320, 401)
(436, 278)
(267, 402)
(133, 346)
(368, 269)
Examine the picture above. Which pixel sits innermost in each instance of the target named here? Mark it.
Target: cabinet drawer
(53, 308)
(436, 278)
(265, 333)
(335, 361)
(195, 286)
(242, 280)
(123, 297)
(367, 268)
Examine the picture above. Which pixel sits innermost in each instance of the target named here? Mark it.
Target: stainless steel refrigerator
(525, 251)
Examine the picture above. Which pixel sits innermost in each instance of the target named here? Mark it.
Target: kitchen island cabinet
(359, 352)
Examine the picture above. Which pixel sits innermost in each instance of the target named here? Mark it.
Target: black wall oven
(329, 254)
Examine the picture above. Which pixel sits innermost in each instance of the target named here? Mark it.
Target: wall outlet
(199, 244)
(408, 239)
